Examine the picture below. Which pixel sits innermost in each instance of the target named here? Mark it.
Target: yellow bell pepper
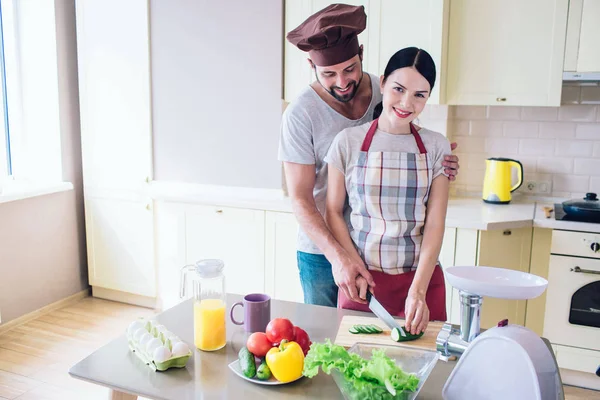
(286, 361)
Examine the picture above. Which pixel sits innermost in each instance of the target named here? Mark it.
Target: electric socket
(538, 187)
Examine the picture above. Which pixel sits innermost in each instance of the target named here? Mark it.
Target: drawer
(578, 244)
(577, 359)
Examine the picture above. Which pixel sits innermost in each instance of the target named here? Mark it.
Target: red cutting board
(347, 339)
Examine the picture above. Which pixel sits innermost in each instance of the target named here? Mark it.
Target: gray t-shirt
(308, 127)
(345, 149)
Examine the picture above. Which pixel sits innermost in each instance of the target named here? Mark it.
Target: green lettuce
(377, 378)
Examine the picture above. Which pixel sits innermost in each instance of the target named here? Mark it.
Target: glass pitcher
(209, 303)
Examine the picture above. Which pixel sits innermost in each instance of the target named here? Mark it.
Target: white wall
(560, 145)
(42, 251)
(216, 91)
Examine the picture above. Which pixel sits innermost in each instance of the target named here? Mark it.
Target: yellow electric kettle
(497, 184)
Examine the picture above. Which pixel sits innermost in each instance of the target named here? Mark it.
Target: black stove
(561, 215)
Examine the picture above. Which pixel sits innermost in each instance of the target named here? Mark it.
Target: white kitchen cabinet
(115, 115)
(446, 258)
(414, 23)
(506, 53)
(583, 31)
(281, 266)
(120, 245)
(423, 24)
(114, 93)
(234, 235)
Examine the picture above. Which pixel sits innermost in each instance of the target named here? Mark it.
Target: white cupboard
(506, 53)
(281, 265)
(120, 243)
(234, 235)
(583, 31)
(116, 144)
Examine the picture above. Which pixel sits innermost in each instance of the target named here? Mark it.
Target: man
(341, 96)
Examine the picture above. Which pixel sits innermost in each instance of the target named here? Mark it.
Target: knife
(383, 314)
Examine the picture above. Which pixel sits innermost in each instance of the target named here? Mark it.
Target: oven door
(573, 302)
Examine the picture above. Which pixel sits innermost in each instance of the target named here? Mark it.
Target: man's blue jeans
(317, 280)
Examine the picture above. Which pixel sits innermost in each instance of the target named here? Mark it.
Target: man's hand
(451, 164)
(353, 278)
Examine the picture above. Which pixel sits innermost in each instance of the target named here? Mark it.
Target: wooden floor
(35, 357)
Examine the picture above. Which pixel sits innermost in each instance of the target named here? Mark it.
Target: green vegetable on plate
(247, 363)
(263, 372)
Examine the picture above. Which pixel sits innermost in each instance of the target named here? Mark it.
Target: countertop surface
(207, 375)
(463, 212)
(540, 221)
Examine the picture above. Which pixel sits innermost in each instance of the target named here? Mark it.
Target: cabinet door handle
(500, 99)
(148, 207)
(585, 271)
(219, 211)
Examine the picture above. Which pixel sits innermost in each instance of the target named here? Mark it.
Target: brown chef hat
(330, 35)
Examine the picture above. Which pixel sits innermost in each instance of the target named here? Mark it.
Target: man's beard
(344, 98)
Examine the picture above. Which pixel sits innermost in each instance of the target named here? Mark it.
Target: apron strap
(371, 132)
(420, 144)
(369, 138)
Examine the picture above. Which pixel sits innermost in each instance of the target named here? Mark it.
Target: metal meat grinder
(503, 362)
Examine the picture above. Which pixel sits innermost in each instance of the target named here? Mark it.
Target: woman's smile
(401, 113)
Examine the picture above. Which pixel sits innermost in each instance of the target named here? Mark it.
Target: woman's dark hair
(409, 57)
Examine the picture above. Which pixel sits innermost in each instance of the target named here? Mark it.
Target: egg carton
(156, 346)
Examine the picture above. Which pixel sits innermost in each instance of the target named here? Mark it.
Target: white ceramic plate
(235, 367)
(496, 282)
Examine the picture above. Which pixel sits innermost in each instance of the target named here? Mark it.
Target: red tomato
(259, 344)
(280, 329)
(301, 337)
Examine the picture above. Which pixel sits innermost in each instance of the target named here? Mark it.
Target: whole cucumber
(263, 372)
(247, 362)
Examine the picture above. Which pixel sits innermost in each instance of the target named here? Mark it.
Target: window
(30, 134)
(5, 159)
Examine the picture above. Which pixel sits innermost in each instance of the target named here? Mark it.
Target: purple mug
(257, 312)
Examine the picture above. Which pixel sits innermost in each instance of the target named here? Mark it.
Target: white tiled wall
(560, 145)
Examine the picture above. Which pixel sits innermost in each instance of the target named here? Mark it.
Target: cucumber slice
(360, 328)
(397, 335)
(376, 329)
(353, 330)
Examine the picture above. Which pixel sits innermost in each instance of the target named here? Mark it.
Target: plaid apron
(388, 197)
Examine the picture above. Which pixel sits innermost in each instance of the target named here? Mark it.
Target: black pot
(585, 209)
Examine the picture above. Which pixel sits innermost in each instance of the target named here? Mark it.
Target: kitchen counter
(468, 213)
(207, 376)
(540, 221)
(472, 213)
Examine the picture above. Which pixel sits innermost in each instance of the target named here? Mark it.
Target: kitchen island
(207, 375)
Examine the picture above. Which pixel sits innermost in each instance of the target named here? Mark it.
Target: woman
(398, 195)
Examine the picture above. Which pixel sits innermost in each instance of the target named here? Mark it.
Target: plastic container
(412, 361)
(156, 346)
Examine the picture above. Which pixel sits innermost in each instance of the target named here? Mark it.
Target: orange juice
(209, 324)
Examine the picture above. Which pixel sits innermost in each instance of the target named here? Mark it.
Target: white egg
(180, 349)
(158, 329)
(152, 345)
(137, 335)
(173, 338)
(146, 337)
(134, 326)
(161, 354)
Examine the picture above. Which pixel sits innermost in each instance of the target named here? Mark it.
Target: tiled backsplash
(558, 145)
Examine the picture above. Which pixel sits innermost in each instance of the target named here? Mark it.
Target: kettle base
(496, 201)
